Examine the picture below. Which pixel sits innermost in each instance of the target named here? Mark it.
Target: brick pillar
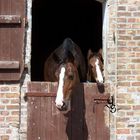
(122, 67)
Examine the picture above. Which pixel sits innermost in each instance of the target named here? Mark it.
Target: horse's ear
(56, 58)
(100, 51)
(89, 54)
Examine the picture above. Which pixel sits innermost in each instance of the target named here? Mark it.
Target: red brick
(131, 66)
(8, 131)
(5, 89)
(137, 54)
(137, 60)
(130, 8)
(121, 78)
(124, 84)
(124, 107)
(138, 137)
(131, 78)
(121, 8)
(121, 32)
(5, 101)
(120, 101)
(124, 72)
(122, 54)
(2, 95)
(12, 95)
(136, 84)
(123, 131)
(138, 89)
(2, 119)
(131, 89)
(136, 14)
(15, 101)
(138, 78)
(121, 66)
(136, 38)
(131, 32)
(138, 31)
(5, 137)
(131, 43)
(124, 26)
(4, 113)
(130, 138)
(2, 106)
(124, 14)
(15, 113)
(122, 119)
(130, 113)
(121, 20)
(132, 20)
(124, 49)
(124, 37)
(14, 89)
(136, 72)
(136, 49)
(121, 43)
(124, 60)
(137, 107)
(12, 106)
(15, 119)
(123, 1)
(136, 26)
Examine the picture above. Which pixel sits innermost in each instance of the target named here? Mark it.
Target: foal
(66, 65)
(95, 67)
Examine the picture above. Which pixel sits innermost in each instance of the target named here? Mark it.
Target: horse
(95, 66)
(65, 65)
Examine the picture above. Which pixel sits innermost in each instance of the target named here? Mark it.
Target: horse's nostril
(64, 106)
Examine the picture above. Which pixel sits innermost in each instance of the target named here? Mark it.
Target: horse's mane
(66, 54)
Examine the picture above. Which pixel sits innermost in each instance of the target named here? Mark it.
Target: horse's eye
(91, 66)
(71, 77)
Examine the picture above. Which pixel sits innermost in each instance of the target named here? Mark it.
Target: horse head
(95, 67)
(68, 77)
(65, 65)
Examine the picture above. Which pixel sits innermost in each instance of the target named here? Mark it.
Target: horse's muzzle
(63, 107)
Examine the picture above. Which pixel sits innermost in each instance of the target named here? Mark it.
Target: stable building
(30, 31)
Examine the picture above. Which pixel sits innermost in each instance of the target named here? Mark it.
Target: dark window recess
(54, 20)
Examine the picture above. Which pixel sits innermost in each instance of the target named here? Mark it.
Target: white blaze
(98, 71)
(59, 96)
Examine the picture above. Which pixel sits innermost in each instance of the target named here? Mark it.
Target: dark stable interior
(54, 20)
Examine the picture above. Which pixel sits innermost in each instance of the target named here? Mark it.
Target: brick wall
(123, 67)
(128, 74)
(9, 112)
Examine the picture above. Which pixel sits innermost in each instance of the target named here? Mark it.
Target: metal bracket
(111, 104)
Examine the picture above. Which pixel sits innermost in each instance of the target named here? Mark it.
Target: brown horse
(66, 65)
(95, 66)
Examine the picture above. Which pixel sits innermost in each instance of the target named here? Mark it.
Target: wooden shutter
(12, 29)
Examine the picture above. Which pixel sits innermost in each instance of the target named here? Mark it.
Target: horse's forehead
(93, 60)
(69, 64)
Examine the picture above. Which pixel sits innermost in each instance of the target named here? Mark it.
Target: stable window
(53, 21)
